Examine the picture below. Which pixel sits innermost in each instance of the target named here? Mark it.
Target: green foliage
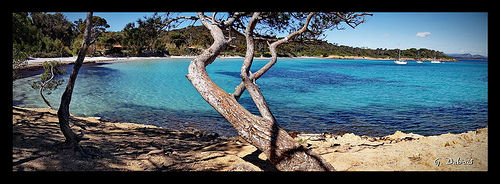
(25, 35)
(18, 59)
(99, 24)
(37, 34)
(52, 69)
(55, 26)
(177, 38)
(42, 35)
(144, 38)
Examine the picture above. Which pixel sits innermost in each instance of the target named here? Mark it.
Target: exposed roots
(76, 147)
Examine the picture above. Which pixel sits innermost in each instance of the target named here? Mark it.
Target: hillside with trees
(38, 34)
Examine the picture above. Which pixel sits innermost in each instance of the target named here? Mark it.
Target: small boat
(399, 61)
(435, 60)
(418, 57)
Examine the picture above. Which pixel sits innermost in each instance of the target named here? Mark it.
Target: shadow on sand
(121, 147)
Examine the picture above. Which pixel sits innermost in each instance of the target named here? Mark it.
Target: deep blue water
(366, 97)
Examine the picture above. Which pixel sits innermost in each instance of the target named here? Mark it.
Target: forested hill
(199, 37)
(38, 34)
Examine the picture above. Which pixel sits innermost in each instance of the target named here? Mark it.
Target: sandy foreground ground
(136, 147)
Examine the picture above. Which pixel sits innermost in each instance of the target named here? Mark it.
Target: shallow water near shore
(366, 97)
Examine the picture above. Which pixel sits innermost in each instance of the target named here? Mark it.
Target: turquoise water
(366, 97)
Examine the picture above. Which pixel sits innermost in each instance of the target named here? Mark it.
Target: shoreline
(153, 148)
(36, 63)
(386, 58)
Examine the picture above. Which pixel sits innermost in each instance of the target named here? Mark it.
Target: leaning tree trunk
(42, 86)
(73, 139)
(262, 132)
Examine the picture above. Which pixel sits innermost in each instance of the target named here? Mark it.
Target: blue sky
(447, 32)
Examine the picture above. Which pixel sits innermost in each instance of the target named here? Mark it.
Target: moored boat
(399, 61)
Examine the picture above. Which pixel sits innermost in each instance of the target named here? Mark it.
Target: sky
(449, 32)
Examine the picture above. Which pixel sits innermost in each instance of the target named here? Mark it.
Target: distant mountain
(467, 56)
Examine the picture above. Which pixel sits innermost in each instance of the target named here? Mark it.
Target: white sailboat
(399, 61)
(418, 58)
(435, 60)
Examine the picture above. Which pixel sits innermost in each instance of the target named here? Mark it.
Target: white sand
(35, 61)
(403, 152)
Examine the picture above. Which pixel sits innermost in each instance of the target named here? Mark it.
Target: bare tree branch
(42, 86)
(261, 131)
(233, 18)
(281, 149)
(250, 45)
(176, 21)
(252, 87)
(352, 19)
(274, 56)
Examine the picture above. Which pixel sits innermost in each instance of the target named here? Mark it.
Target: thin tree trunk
(44, 84)
(262, 132)
(73, 139)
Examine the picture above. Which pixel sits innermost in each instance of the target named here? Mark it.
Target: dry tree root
(76, 147)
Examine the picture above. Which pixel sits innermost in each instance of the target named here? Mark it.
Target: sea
(312, 95)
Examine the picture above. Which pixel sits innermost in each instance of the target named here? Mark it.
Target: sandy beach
(36, 63)
(136, 147)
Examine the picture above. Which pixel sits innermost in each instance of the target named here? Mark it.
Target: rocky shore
(136, 147)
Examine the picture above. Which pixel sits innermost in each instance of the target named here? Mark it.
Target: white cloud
(423, 34)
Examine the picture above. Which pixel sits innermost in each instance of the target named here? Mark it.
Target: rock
(349, 138)
(398, 135)
(311, 137)
(241, 167)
